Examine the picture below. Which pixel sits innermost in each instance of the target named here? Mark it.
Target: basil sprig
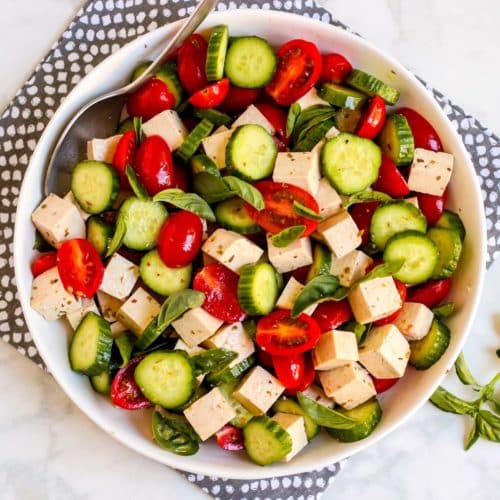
(125, 345)
(366, 196)
(293, 114)
(304, 211)
(324, 416)
(287, 236)
(211, 187)
(212, 360)
(186, 201)
(464, 374)
(137, 124)
(319, 289)
(138, 189)
(245, 191)
(119, 234)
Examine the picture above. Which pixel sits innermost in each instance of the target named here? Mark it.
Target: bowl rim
(252, 471)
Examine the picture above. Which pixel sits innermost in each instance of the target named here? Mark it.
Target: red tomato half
(383, 384)
(335, 68)
(298, 69)
(290, 369)
(307, 378)
(238, 99)
(181, 178)
(276, 116)
(432, 206)
(431, 293)
(125, 155)
(362, 214)
(80, 267)
(265, 359)
(278, 213)
(220, 286)
(149, 99)
(331, 314)
(191, 60)
(125, 392)
(230, 438)
(391, 318)
(43, 262)
(210, 96)
(281, 335)
(423, 132)
(373, 118)
(179, 240)
(390, 180)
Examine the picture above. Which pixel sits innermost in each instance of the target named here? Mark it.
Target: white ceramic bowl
(133, 428)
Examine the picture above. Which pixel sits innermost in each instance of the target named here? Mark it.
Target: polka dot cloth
(100, 28)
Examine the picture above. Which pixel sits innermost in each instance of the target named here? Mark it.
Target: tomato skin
(424, 134)
(335, 68)
(125, 392)
(300, 274)
(80, 267)
(298, 69)
(432, 206)
(149, 99)
(210, 96)
(362, 214)
(179, 240)
(431, 293)
(230, 438)
(43, 262)
(402, 290)
(276, 116)
(331, 314)
(265, 359)
(125, 155)
(373, 119)
(238, 99)
(307, 378)
(154, 165)
(383, 384)
(181, 178)
(220, 286)
(290, 369)
(191, 60)
(280, 144)
(390, 180)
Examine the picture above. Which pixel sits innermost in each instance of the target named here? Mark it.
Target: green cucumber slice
(99, 234)
(340, 96)
(232, 214)
(287, 405)
(449, 245)
(233, 373)
(193, 141)
(216, 53)
(168, 75)
(101, 383)
(213, 115)
(370, 85)
(450, 220)
(427, 351)
(396, 140)
(203, 163)
(257, 288)
(139, 70)
(243, 416)
(322, 261)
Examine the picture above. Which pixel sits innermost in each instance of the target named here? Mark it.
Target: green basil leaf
(186, 201)
(489, 425)
(211, 188)
(287, 236)
(463, 372)
(40, 244)
(119, 234)
(305, 130)
(366, 196)
(324, 416)
(293, 114)
(313, 136)
(315, 114)
(304, 211)
(383, 271)
(444, 311)
(319, 289)
(250, 328)
(137, 124)
(125, 345)
(488, 391)
(212, 360)
(448, 402)
(473, 434)
(177, 304)
(138, 189)
(245, 191)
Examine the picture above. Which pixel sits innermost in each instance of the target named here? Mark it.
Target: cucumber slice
(450, 220)
(257, 288)
(371, 86)
(340, 96)
(322, 260)
(350, 163)
(231, 374)
(243, 416)
(139, 70)
(313, 136)
(346, 120)
(287, 405)
(162, 279)
(419, 253)
(211, 188)
(99, 234)
(449, 245)
(168, 75)
(166, 378)
(367, 416)
(266, 441)
(395, 217)
(143, 220)
(396, 140)
(232, 214)
(216, 53)
(251, 153)
(90, 348)
(213, 115)
(101, 383)
(427, 351)
(250, 62)
(95, 186)
(193, 140)
(203, 163)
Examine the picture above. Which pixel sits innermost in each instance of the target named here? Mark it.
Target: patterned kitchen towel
(100, 28)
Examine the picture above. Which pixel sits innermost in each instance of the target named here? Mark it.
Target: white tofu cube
(252, 116)
(196, 325)
(374, 299)
(351, 267)
(119, 278)
(109, 306)
(215, 147)
(329, 201)
(295, 426)
(168, 126)
(117, 329)
(57, 220)
(430, 171)
(69, 197)
(299, 169)
(289, 296)
(103, 149)
(332, 132)
(50, 299)
(349, 385)
(385, 352)
(220, 129)
(317, 394)
(86, 305)
(258, 391)
(414, 321)
(138, 311)
(295, 255)
(209, 413)
(335, 348)
(340, 233)
(232, 249)
(180, 344)
(311, 99)
(413, 200)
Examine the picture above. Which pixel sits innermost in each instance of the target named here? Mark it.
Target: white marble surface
(49, 450)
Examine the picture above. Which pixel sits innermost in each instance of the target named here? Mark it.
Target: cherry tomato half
(179, 240)
(431, 293)
(307, 378)
(230, 438)
(43, 262)
(125, 155)
(181, 178)
(210, 96)
(238, 99)
(362, 214)
(383, 384)
(281, 335)
(149, 99)
(391, 318)
(331, 314)
(191, 60)
(432, 206)
(298, 69)
(373, 118)
(424, 135)
(80, 267)
(290, 369)
(276, 116)
(390, 180)
(335, 68)
(265, 359)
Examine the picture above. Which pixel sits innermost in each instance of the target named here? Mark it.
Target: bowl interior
(132, 428)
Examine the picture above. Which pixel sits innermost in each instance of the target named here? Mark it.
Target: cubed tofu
(168, 126)
(138, 311)
(196, 325)
(385, 352)
(295, 255)
(120, 277)
(340, 233)
(215, 147)
(335, 348)
(258, 391)
(86, 305)
(103, 149)
(295, 426)
(298, 169)
(209, 413)
(289, 296)
(430, 171)
(117, 328)
(50, 299)
(192, 351)
(220, 129)
(311, 99)
(252, 116)
(69, 197)
(108, 305)
(234, 338)
(57, 220)
(351, 267)
(349, 385)
(232, 249)
(329, 201)
(374, 299)
(318, 395)
(332, 132)
(414, 321)
(413, 200)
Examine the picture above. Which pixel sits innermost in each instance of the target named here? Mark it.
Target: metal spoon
(100, 117)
